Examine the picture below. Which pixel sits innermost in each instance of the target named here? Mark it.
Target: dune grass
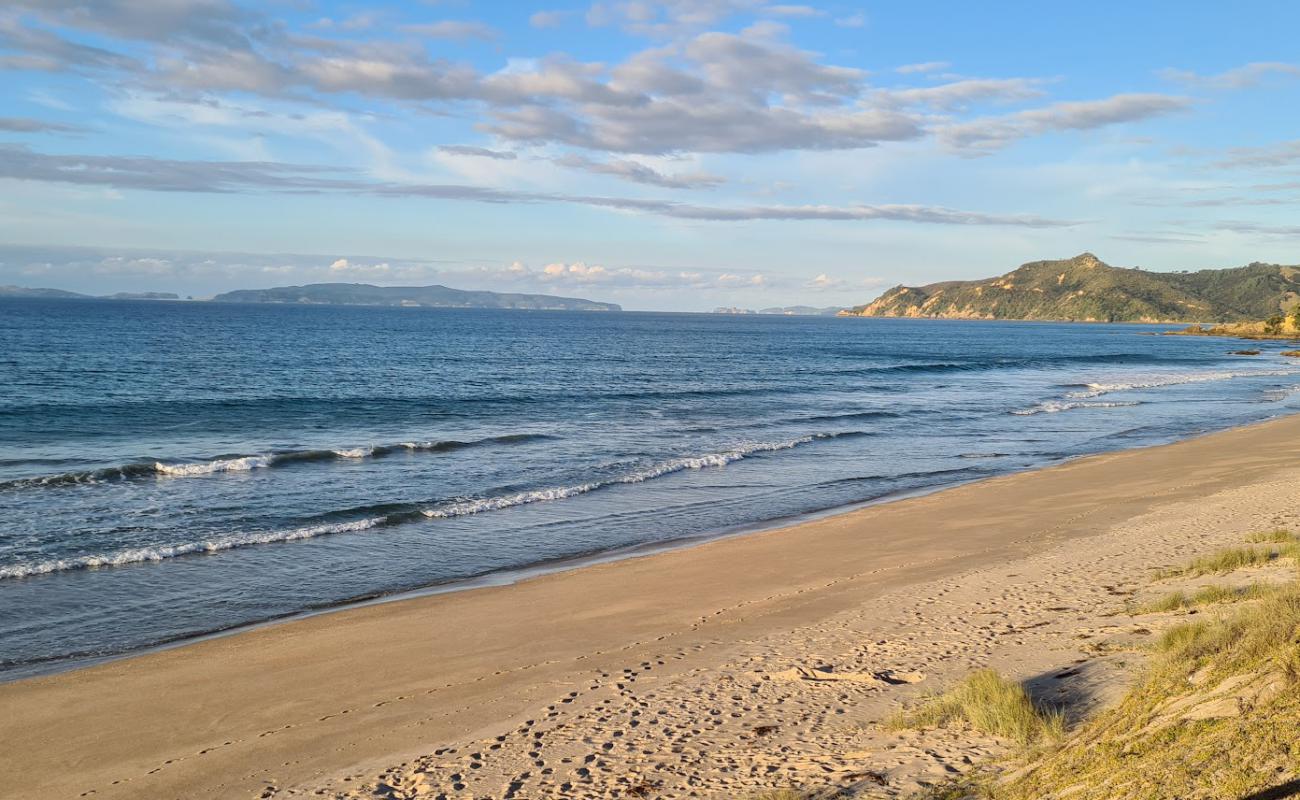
(1279, 536)
(1206, 595)
(1227, 560)
(1246, 659)
(990, 703)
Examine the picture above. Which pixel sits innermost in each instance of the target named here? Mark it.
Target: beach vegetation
(1206, 595)
(1279, 536)
(1212, 717)
(989, 703)
(1227, 560)
(964, 787)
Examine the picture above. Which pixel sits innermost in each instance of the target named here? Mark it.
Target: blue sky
(663, 155)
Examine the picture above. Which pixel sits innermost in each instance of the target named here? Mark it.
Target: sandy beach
(759, 661)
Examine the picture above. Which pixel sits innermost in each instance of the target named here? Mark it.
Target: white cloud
(547, 19)
(1282, 154)
(579, 274)
(477, 152)
(120, 265)
(922, 67)
(964, 92)
(638, 172)
(992, 133)
(794, 11)
(1243, 77)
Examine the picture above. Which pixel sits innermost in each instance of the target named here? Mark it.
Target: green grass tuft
(1279, 536)
(1233, 558)
(990, 703)
(1206, 595)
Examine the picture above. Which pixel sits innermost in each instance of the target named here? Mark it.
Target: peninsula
(1085, 289)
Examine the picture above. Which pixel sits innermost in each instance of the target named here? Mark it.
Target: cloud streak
(1244, 77)
(993, 133)
(1282, 154)
(637, 172)
(167, 175)
(28, 125)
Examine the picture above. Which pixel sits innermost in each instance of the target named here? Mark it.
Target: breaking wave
(246, 463)
(1086, 390)
(140, 555)
(1055, 406)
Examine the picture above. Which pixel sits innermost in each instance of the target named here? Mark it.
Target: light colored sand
(744, 663)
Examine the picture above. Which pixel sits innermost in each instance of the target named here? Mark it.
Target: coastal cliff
(1086, 289)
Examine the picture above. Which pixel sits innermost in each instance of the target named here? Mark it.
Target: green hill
(1084, 288)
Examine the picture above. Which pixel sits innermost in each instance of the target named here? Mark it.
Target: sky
(662, 154)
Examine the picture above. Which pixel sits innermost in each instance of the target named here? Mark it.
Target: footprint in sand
(824, 674)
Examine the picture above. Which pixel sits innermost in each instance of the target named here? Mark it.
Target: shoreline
(512, 575)
(499, 578)
(449, 664)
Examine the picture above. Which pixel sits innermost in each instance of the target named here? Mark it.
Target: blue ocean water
(174, 469)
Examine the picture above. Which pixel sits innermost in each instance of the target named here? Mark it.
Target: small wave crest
(1056, 406)
(246, 463)
(466, 507)
(861, 415)
(140, 555)
(1087, 390)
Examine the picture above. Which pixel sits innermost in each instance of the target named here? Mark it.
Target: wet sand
(746, 662)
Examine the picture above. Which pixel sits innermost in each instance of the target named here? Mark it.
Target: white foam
(1157, 381)
(242, 464)
(1056, 406)
(139, 555)
(355, 452)
(1277, 395)
(463, 508)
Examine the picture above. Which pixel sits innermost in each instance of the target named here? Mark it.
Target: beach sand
(756, 661)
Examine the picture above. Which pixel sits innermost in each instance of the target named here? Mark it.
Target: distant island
(1085, 289)
(363, 294)
(351, 294)
(61, 294)
(789, 311)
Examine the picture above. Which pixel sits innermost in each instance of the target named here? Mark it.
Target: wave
(1055, 406)
(246, 463)
(949, 472)
(397, 514)
(985, 364)
(462, 508)
(1279, 394)
(1086, 390)
(140, 555)
(849, 415)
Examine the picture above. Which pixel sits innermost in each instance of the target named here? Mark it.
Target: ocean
(171, 470)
